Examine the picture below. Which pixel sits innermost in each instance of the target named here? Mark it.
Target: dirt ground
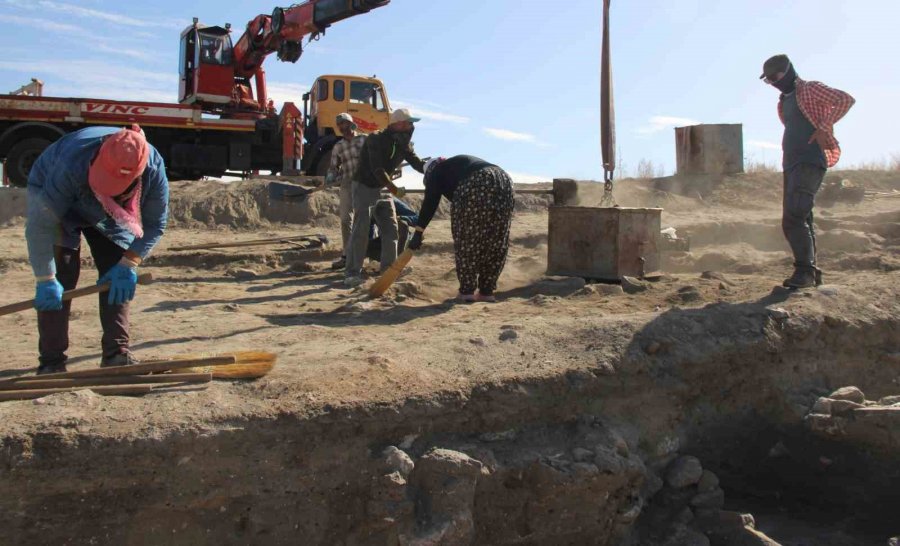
(289, 301)
(339, 349)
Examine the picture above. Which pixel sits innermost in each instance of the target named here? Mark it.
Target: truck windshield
(215, 49)
(366, 93)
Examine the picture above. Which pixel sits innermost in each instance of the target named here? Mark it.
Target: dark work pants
(53, 326)
(801, 183)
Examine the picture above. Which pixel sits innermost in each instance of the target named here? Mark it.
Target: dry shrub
(754, 166)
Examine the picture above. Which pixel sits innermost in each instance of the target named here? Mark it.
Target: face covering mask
(788, 82)
(403, 137)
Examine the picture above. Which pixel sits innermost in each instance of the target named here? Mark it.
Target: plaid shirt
(823, 106)
(345, 158)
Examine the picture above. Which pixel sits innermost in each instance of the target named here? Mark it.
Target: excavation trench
(582, 456)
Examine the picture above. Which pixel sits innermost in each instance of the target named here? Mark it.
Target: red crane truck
(221, 122)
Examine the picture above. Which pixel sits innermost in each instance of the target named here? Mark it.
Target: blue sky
(515, 82)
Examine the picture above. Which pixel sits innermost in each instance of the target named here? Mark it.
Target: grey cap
(344, 116)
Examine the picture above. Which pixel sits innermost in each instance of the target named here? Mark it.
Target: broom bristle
(248, 365)
(237, 371)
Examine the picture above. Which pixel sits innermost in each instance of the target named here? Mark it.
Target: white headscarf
(431, 164)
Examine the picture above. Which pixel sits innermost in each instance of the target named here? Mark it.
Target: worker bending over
(482, 201)
(109, 185)
(382, 154)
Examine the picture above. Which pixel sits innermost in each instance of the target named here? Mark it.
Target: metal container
(603, 243)
(709, 149)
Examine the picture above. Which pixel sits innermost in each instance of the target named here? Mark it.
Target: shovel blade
(290, 193)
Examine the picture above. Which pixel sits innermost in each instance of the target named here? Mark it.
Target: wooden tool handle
(390, 275)
(143, 278)
(41, 383)
(155, 366)
(122, 390)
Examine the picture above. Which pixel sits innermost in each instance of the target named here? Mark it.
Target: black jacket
(382, 154)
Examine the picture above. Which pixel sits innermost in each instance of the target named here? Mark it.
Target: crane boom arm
(283, 31)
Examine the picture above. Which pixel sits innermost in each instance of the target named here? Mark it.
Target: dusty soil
(718, 365)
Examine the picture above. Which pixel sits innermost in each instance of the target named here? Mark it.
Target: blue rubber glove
(123, 282)
(48, 295)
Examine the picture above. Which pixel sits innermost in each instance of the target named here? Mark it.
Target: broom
(247, 365)
(242, 365)
(390, 275)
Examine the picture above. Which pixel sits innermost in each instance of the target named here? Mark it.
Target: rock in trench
(684, 471)
(852, 394)
(632, 285)
(398, 461)
(708, 482)
(822, 406)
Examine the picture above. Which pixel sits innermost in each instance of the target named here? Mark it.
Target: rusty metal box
(603, 243)
(709, 149)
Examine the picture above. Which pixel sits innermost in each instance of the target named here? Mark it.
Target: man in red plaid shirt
(808, 110)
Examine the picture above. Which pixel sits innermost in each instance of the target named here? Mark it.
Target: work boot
(53, 368)
(351, 282)
(339, 264)
(121, 359)
(803, 277)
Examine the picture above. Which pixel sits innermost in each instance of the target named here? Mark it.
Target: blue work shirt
(61, 203)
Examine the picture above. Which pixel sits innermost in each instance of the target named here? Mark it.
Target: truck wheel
(21, 157)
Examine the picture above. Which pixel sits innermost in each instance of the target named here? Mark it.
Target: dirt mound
(12, 205)
(244, 204)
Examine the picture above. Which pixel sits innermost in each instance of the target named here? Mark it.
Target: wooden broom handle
(117, 390)
(156, 366)
(91, 382)
(143, 278)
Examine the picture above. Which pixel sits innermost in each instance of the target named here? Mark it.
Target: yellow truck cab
(363, 98)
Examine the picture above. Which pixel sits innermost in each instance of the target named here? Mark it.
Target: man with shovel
(108, 184)
(382, 153)
(808, 110)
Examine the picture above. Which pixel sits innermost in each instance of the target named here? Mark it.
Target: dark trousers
(480, 218)
(801, 183)
(53, 326)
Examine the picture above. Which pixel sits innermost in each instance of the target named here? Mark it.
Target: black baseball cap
(774, 65)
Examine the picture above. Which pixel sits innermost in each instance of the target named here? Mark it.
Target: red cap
(122, 158)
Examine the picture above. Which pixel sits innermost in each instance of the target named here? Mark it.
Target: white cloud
(661, 123)
(287, 92)
(763, 144)
(43, 25)
(430, 114)
(133, 53)
(528, 178)
(50, 6)
(93, 42)
(506, 134)
(96, 79)
(413, 180)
